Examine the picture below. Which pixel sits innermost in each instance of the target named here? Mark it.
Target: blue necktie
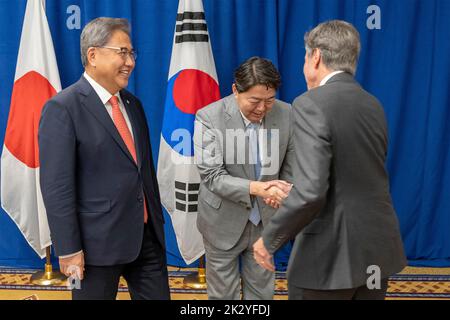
(253, 130)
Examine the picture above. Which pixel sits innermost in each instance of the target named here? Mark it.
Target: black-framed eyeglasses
(123, 52)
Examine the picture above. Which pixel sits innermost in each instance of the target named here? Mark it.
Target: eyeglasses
(122, 52)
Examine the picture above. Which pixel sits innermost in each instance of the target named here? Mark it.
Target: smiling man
(231, 210)
(97, 177)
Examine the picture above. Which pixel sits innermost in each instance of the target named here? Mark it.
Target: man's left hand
(262, 256)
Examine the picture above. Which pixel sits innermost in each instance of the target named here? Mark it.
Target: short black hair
(256, 71)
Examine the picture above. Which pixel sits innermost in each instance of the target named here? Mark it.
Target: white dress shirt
(328, 77)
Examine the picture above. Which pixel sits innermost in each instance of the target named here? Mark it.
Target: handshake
(273, 192)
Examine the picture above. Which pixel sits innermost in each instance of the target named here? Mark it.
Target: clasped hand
(273, 192)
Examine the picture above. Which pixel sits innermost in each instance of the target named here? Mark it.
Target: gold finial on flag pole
(48, 277)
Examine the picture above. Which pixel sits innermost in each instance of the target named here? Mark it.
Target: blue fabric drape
(405, 64)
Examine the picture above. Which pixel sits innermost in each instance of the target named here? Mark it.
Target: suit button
(140, 199)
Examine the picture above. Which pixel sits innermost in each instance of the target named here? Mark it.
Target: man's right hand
(73, 265)
(275, 190)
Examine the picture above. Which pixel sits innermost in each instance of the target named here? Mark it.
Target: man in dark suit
(347, 235)
(97, 176)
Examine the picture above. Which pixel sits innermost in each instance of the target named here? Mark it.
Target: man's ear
(317, 58)
(91, 55)
(234, 89)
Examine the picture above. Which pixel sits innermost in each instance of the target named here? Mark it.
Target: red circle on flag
(193, 90)
(29, 95)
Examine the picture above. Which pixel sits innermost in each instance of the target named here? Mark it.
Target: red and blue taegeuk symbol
(187, 92)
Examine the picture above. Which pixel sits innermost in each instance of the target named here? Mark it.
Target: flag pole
(197, 280)
(48, 277)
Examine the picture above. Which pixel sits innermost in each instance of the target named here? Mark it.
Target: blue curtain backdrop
(406, 64)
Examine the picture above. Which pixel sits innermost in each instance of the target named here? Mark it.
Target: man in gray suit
(347, 235)
(241, 143)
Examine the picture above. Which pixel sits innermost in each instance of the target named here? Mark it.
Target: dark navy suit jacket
(92, 188)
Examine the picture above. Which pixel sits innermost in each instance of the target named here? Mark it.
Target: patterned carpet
(411, 283)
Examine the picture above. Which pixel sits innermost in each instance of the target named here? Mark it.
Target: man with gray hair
(347, 235)
(97, 177)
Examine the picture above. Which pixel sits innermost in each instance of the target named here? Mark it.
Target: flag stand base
(48, 277)
(196, 280)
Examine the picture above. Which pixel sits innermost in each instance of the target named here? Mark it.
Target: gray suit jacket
(339, 209)
(224, 200)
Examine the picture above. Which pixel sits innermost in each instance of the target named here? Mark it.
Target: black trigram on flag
(186, 196)
(191, 27)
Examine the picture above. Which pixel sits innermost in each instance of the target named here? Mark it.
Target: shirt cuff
(70, 255)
